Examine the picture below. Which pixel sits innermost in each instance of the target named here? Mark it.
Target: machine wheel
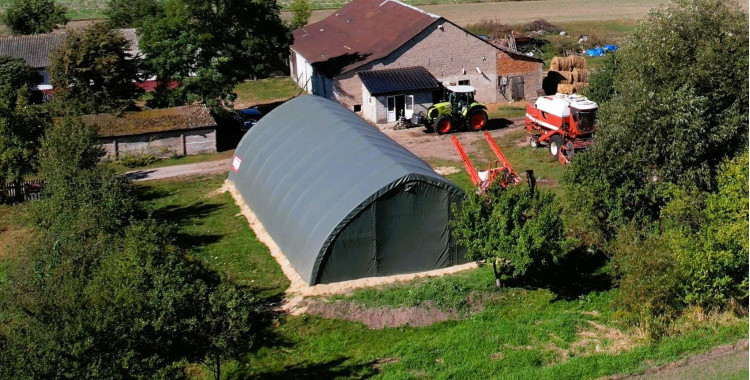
(534, 141)
(568, 150)
(443, 125)
(477, 120)
(555, 142)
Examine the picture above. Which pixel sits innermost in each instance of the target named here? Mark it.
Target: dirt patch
(11, 240)
(598, 338)
(430, 145)
(719, 362)
(447, 170)
(380, 317)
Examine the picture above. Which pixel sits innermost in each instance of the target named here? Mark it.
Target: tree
(92, 71)
(103, 292)
(15, 73)
(672, 115)
(209, 47)
(302, 12)
(21, 124)
(34, 16)
(516, 228)
(131, 13)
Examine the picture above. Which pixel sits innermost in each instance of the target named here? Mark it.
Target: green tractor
(459, 112)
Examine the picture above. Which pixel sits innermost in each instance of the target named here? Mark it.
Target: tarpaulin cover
(340, 198)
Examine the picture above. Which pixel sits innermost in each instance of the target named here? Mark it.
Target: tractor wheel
(534, 141)
(443, 125)
(477, 120)
(555, 142)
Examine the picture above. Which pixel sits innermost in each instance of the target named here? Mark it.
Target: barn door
(516, 89)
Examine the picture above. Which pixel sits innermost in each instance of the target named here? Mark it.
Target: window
(357, 107)
(464, 82)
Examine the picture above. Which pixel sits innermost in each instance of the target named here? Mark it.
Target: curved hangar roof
(341, 199)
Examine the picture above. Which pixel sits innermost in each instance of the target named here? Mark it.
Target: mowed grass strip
(210, 227)
(263, 91)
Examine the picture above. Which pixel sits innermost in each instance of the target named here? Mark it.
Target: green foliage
(21, 128)
(103, 292)
(139, 160)
(210, 47)
(673, 116)
(601, 82)
(302, 12)
(93, 73)
(131, 13)
(34, 16)
(699, 256)
(15, 73)
(519, 228)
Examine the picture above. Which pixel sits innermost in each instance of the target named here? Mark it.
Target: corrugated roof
(358, 33)
(36, 49)
(194, 116)
(399, 80)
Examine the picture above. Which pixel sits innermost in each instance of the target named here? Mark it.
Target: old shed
(341, 199)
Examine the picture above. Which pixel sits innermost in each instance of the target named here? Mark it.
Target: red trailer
(564, 123)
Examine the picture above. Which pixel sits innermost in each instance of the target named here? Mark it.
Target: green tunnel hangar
(340, 198)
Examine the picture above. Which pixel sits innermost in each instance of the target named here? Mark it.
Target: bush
(673, 115)
(34, 16)
(516, 227)
(139, 160)
(490, 28)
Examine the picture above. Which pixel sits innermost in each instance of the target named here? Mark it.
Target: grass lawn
(557, 328)
(14, 234)
(263, 91)
(181, 160)
(210, 227)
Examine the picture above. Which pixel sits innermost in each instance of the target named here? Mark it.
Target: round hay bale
(565, 88)
(554, 64)
(577, 62)
(578, 87)
(580, 75)
(564, 64)
(568, 77)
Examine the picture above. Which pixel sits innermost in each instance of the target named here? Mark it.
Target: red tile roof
(360, 32)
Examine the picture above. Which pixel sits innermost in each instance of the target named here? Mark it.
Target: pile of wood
(568, 74)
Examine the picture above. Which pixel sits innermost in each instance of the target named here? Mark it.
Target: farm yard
(293, 253)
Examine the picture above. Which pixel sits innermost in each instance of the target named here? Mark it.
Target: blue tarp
(611, 47)
(595, 52)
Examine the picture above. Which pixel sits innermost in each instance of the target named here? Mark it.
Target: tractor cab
(460, 97)
(460, 111)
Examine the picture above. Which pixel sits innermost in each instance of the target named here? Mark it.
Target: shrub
(138, 160)
(515, 227)
(34, 16)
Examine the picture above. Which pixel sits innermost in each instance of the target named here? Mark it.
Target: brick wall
(513, 66)
(449, 53)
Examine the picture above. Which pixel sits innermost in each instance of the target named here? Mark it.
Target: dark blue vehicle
(249, 117)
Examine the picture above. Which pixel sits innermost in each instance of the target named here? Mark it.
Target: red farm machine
(564, 123)
(498, 172)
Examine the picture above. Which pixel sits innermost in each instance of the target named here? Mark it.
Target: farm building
(37, 49)
(185, 130)
(341, 199)
(336, 56)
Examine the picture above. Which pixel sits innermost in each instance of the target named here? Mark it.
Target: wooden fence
(15, 192)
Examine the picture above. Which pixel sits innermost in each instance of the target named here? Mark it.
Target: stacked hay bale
(567, 75)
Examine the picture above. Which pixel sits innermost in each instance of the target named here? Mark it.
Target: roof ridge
(410, 6)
